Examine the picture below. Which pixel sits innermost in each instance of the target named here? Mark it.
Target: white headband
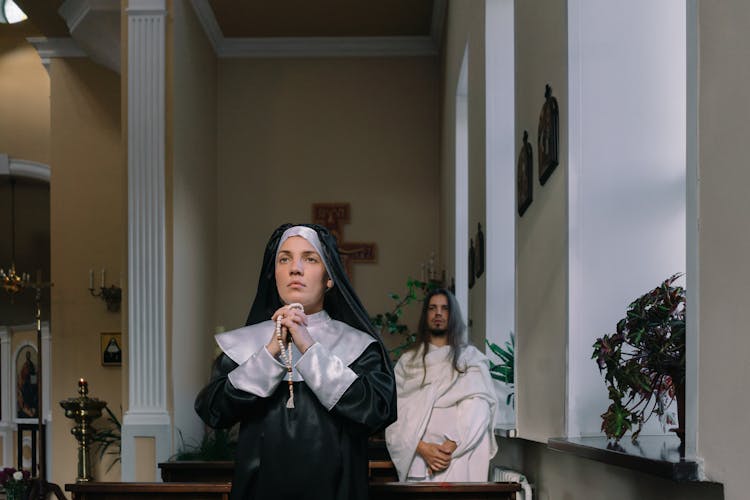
(311, 236)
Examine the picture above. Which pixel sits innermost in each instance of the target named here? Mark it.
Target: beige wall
(194, 216)
(542, 267)
(25, 107)
(464, 31)
(86, 231)
(724, 243)
(24, 135)
(542, 257)
(293, 132)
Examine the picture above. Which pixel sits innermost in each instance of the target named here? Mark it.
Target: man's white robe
(447, 405)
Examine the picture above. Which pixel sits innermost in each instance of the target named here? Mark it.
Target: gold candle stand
(83, 410)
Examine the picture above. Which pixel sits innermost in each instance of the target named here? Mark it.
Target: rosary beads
(286, 351)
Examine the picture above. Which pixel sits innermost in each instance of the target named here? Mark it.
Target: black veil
(341, 302)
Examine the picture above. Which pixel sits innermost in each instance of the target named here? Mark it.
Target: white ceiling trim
(385, 46)
(208, 20)
(437, 23)
(24, 168)
(327, 47)
(50, 48)
(74, 11)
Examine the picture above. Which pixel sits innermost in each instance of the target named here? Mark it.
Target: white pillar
(147, 414)
(6, 379)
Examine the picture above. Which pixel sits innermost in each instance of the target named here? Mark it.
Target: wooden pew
(220, 491)
(448, 491)
(149, 491)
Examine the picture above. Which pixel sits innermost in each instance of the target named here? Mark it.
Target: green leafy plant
(216, 445)
(504, 371)
(644, 360)
(390, 322)
(107, 439)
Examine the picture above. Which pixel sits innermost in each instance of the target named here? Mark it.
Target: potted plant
(107, 438)
(390, 321)
(504, 370)
(643, 362)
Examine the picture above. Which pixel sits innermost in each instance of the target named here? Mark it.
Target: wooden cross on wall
(333, 216)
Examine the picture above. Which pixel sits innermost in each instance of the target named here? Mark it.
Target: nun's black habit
(344, 391)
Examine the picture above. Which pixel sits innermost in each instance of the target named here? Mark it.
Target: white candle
(91, 279)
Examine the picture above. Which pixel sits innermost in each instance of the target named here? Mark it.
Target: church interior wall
(25, 108)
(293, 132)
(464, 36)
(24, 135)
(541, 57)
(194, 217)
(724, 243)
(542, 257)
(87, 231)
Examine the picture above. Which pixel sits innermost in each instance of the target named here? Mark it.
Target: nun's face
(301, 274)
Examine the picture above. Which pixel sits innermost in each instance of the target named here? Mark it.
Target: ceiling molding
(385, 46)
(437, 23)
(399, 46)
(50, 48)
(146, 7)
(75, 11)
(24, 168)
(95, 26)
(208, 20)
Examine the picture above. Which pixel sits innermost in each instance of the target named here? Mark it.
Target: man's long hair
(454, 329)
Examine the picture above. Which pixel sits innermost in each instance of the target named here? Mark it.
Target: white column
(500, 181)
(462, 189)
(46, 356)
(147, 414)
(9, 397)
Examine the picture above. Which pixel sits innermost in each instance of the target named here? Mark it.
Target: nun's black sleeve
(221, 405)
(370, 400)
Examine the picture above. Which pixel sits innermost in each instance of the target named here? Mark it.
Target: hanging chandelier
(12, 282)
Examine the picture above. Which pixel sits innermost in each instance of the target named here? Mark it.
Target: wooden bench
(149, 491)
(220, 491)
(448, 491)
(221, 471)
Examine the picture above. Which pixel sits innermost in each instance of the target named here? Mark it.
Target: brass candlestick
(83, 410)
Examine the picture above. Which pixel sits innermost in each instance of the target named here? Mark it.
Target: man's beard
(438, 332)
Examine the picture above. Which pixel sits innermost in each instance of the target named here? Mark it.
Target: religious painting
(524, 176)
(480, 250)
(27, 382)
(111, 349)
(548, 136)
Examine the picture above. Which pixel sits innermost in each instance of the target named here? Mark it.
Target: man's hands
(437, 456)
(294, 322)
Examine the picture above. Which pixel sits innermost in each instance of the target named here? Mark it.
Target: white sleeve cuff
(325, 374)
(450, 436)
(259, 375)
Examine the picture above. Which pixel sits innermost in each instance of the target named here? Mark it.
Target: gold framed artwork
(110, 347)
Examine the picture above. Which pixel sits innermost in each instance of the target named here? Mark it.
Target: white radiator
(508, 475)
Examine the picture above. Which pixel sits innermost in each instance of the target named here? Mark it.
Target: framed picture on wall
(110, 345)
(548, 136)
(524, 175)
